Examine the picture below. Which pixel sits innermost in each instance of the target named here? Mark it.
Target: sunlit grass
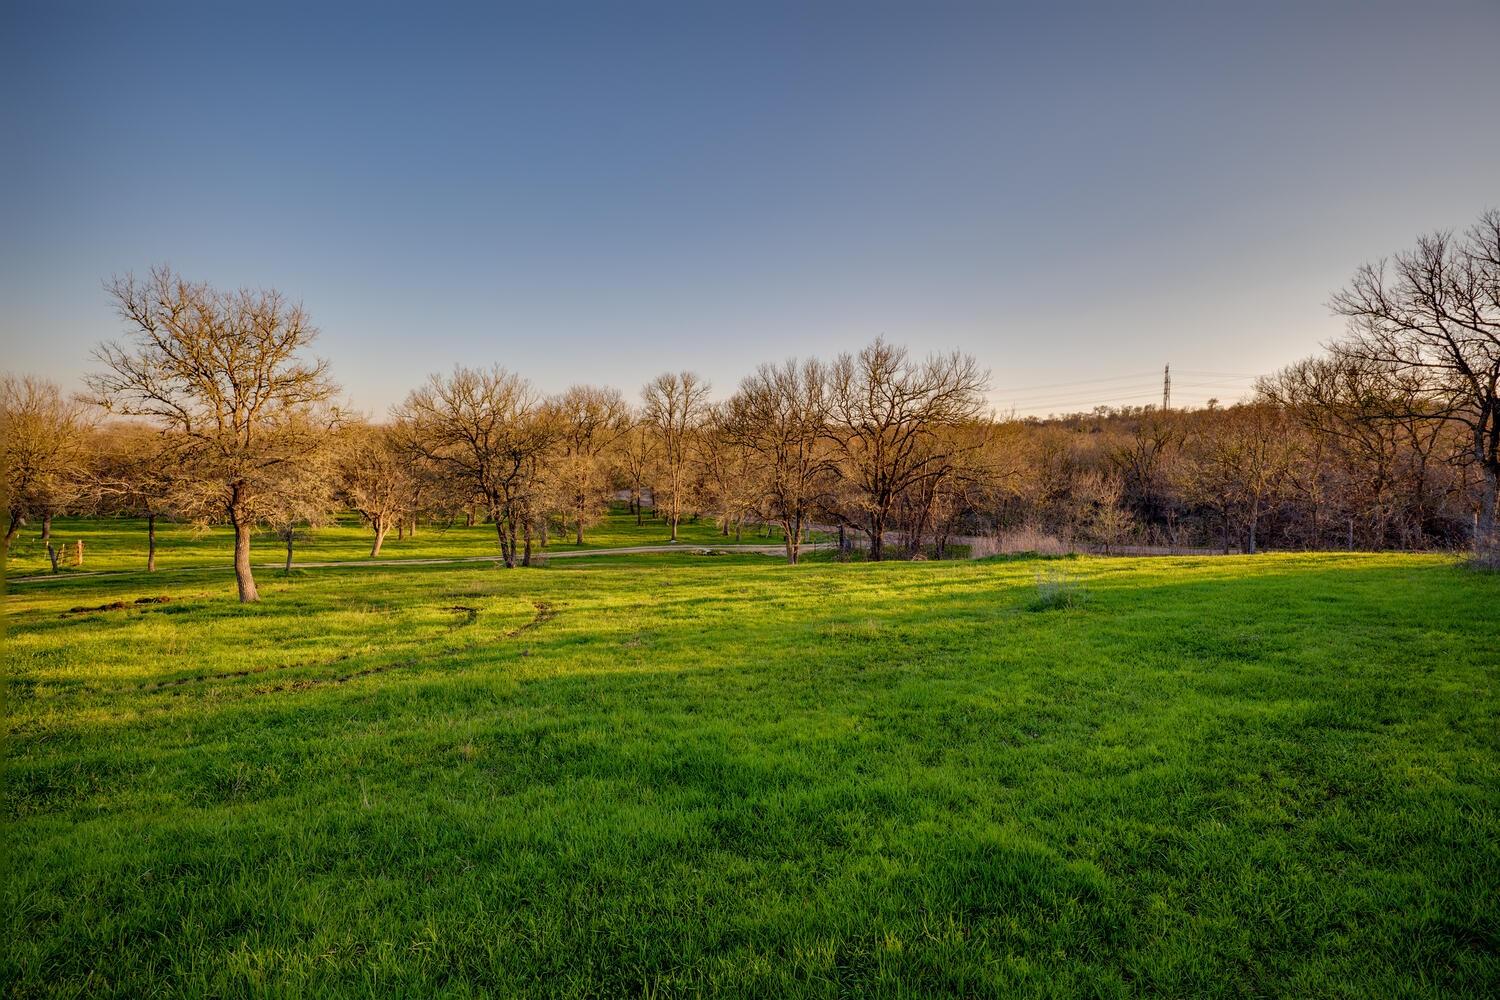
(674, 775)
(120, 543)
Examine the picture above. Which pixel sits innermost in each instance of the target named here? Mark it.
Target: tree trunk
(46, 528)
(1487, 533)
(578, 524)
(400, 530)
(792, 528)
(1254, 523)
(877, 538)
(739, 525)
(380, 530)
(674, 523)
(244, 578)
(287, 569)
(150, 543)
(507, 552)
(918, 530)
(52, 556)
(11, 532)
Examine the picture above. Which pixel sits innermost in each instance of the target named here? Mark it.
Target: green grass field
(120, 543)
(683, 775)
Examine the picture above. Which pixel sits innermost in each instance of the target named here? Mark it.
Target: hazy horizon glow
(1074, 194)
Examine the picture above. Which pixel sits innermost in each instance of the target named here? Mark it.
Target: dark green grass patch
(671, 776)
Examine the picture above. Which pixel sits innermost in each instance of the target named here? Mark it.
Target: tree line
(211, 409)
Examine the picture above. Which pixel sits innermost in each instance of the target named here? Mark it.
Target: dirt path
(434, 561)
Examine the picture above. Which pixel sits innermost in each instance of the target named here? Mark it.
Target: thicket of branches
(1390, 439)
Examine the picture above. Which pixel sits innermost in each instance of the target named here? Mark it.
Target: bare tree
(886, 412)
(1377, 424)
(225, 372)
(1435, 311)
(481, 428)
(1108, 521)
(674, 406)
(375, 479)
(730, 475)
(980, 470)
(635, 452)
(590, 420)
(1143, 461)
(133, 475)
(306, 500)
(1239, 460)
(42, 448)
(781, 414)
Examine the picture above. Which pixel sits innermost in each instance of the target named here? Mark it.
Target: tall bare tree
(481, 428)
(674, 406)
(1435, 311)
(225, 371)
(635, 453)
(980, 469)
(886, 411)
(729, 475)
(781, 413)
(376, 480)
(42, 448)
(590, 420)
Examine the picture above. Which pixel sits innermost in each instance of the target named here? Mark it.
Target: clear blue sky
(597, 193)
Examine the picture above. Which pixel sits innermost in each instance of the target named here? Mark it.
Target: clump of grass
(1057, 591)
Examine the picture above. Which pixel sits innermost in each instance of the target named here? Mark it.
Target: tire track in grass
(545, 612)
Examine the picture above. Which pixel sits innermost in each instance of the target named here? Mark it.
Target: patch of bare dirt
(115, 606)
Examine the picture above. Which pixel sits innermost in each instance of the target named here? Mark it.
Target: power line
(1080, 404)
(1132, 389)
(1211, 385)
(1080, 395)
(1091, 401)
(1030, 391)
(1063, 385)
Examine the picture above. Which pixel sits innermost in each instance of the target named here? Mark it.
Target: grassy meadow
(681, 775)
(119, 544)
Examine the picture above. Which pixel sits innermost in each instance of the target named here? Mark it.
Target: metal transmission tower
(1166, 388)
